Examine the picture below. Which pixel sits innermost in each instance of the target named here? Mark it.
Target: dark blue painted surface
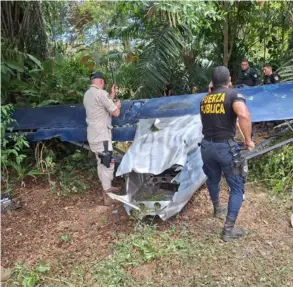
(129, 114)
(78, 134)
(70, 116)
(266, 103)
(270, 102)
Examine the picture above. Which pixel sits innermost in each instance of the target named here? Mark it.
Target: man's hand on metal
(249, 144)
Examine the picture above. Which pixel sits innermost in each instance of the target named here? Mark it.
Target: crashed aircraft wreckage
(163, 166)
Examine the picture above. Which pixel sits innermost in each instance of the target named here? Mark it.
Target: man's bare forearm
(244, 123)
(245, 126)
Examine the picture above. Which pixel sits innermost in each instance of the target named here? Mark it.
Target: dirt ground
(35, 232)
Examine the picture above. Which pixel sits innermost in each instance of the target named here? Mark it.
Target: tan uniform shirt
(99, 108)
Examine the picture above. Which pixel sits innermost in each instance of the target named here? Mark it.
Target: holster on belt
(106, 155)
(239, 163)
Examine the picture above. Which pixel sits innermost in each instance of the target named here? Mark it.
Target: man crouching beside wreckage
(100, 108)
(219, 112)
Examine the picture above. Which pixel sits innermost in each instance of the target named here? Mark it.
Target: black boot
(230, 232)
(219, 210)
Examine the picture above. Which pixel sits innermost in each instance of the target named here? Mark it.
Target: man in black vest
(270, 77)
(248, 76)
(219, 111)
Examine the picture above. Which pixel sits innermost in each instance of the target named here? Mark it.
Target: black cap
(97, 75)
(220, 76)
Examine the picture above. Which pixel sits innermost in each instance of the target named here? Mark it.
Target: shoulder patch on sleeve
(255, 75)
(276, 78)
(240, 96)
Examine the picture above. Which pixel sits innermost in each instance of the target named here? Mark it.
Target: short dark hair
(244, 60)
(267, 65)
(220, 76)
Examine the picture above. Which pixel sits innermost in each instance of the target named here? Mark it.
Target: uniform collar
(219, 88)
(95, 86)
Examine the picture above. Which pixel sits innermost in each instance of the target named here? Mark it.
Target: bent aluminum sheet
(158, 145)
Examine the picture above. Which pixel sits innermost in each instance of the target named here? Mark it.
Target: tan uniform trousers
(105, 174)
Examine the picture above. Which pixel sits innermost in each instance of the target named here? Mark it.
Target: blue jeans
(217, 159)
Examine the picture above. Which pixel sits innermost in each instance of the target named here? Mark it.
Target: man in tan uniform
(100, 108)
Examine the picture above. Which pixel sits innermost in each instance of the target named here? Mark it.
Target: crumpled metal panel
(160, 144)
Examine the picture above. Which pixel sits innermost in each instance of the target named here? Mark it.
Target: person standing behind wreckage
(269, 76)
(248, 76)
(100, 108)
(219, 111)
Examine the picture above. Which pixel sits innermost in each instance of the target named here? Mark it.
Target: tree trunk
(226, 35)
(22, 26)
(264, 47)
(188, 59)
(283, 32)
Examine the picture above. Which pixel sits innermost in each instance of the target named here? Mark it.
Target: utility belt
(215, 140)
(239, 163)
(106, 156)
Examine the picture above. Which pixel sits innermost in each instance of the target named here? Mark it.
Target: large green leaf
(35, 60)
(4, 69)
(48, 66)
(31, 92)
(15, 66)
(34, 71)
(47, 103)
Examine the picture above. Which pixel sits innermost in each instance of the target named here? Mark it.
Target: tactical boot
(113, 189)
(219, 210)
(230, 232)
(108, 200)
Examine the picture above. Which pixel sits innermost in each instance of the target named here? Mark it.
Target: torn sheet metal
(163, 165)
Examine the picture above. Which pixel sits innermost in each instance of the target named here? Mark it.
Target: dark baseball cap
(220, 76)
(97, 75)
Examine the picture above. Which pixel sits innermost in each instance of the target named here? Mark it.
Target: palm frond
(286, 71)
(156, 60)
(133, 30)
(200, 75)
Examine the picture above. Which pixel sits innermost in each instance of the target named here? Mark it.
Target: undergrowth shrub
(274, 170)
(12, 150)
(68, 169)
